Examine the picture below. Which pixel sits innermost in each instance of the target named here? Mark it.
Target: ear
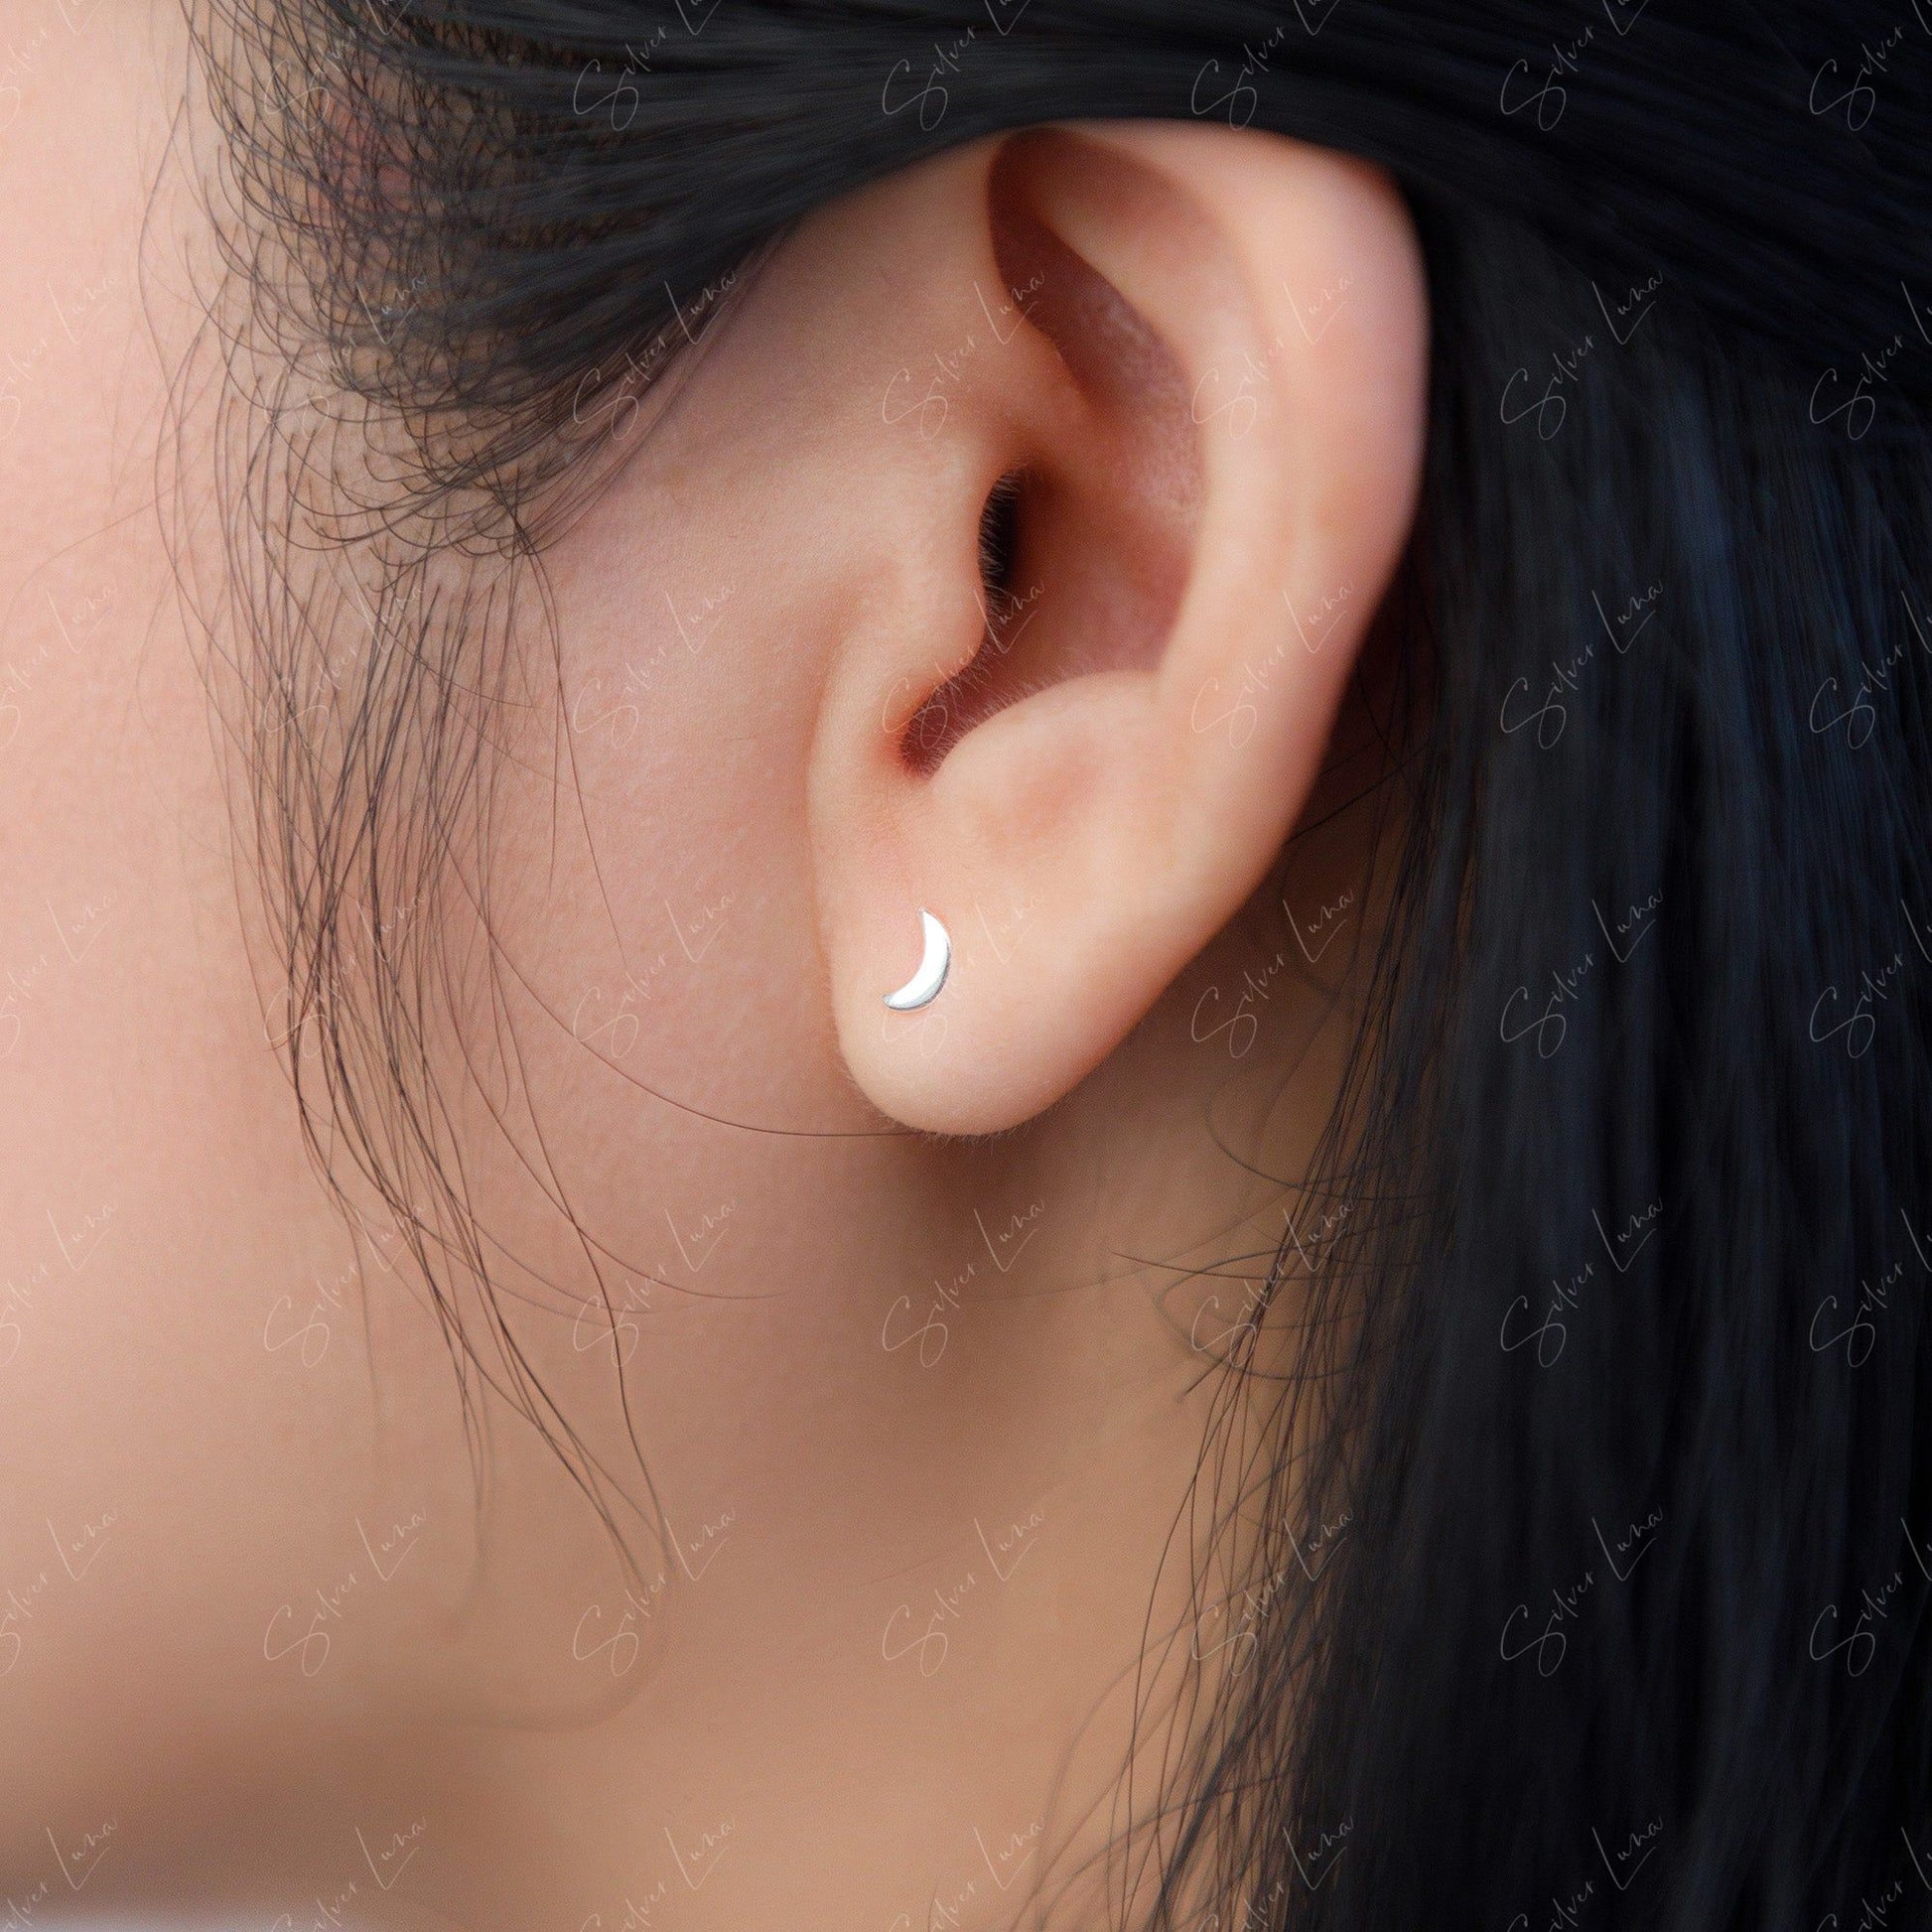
(1160, 482)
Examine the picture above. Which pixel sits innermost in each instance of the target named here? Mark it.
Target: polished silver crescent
(923, 987)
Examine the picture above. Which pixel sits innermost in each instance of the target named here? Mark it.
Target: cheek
(654, 1049)
(650, 859)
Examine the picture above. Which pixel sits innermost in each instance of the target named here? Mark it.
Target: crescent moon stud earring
(923, 987)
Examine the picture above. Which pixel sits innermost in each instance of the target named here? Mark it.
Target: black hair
(1616, 1366)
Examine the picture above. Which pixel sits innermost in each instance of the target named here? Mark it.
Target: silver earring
(923, 987)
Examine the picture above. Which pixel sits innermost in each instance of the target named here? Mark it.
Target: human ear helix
(1086, 295)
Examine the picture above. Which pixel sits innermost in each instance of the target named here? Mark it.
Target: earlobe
(1167, 500)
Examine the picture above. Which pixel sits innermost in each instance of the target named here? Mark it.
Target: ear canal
(1008, 607)
(1084, 545)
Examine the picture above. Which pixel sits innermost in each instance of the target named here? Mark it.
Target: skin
(923, 1413)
